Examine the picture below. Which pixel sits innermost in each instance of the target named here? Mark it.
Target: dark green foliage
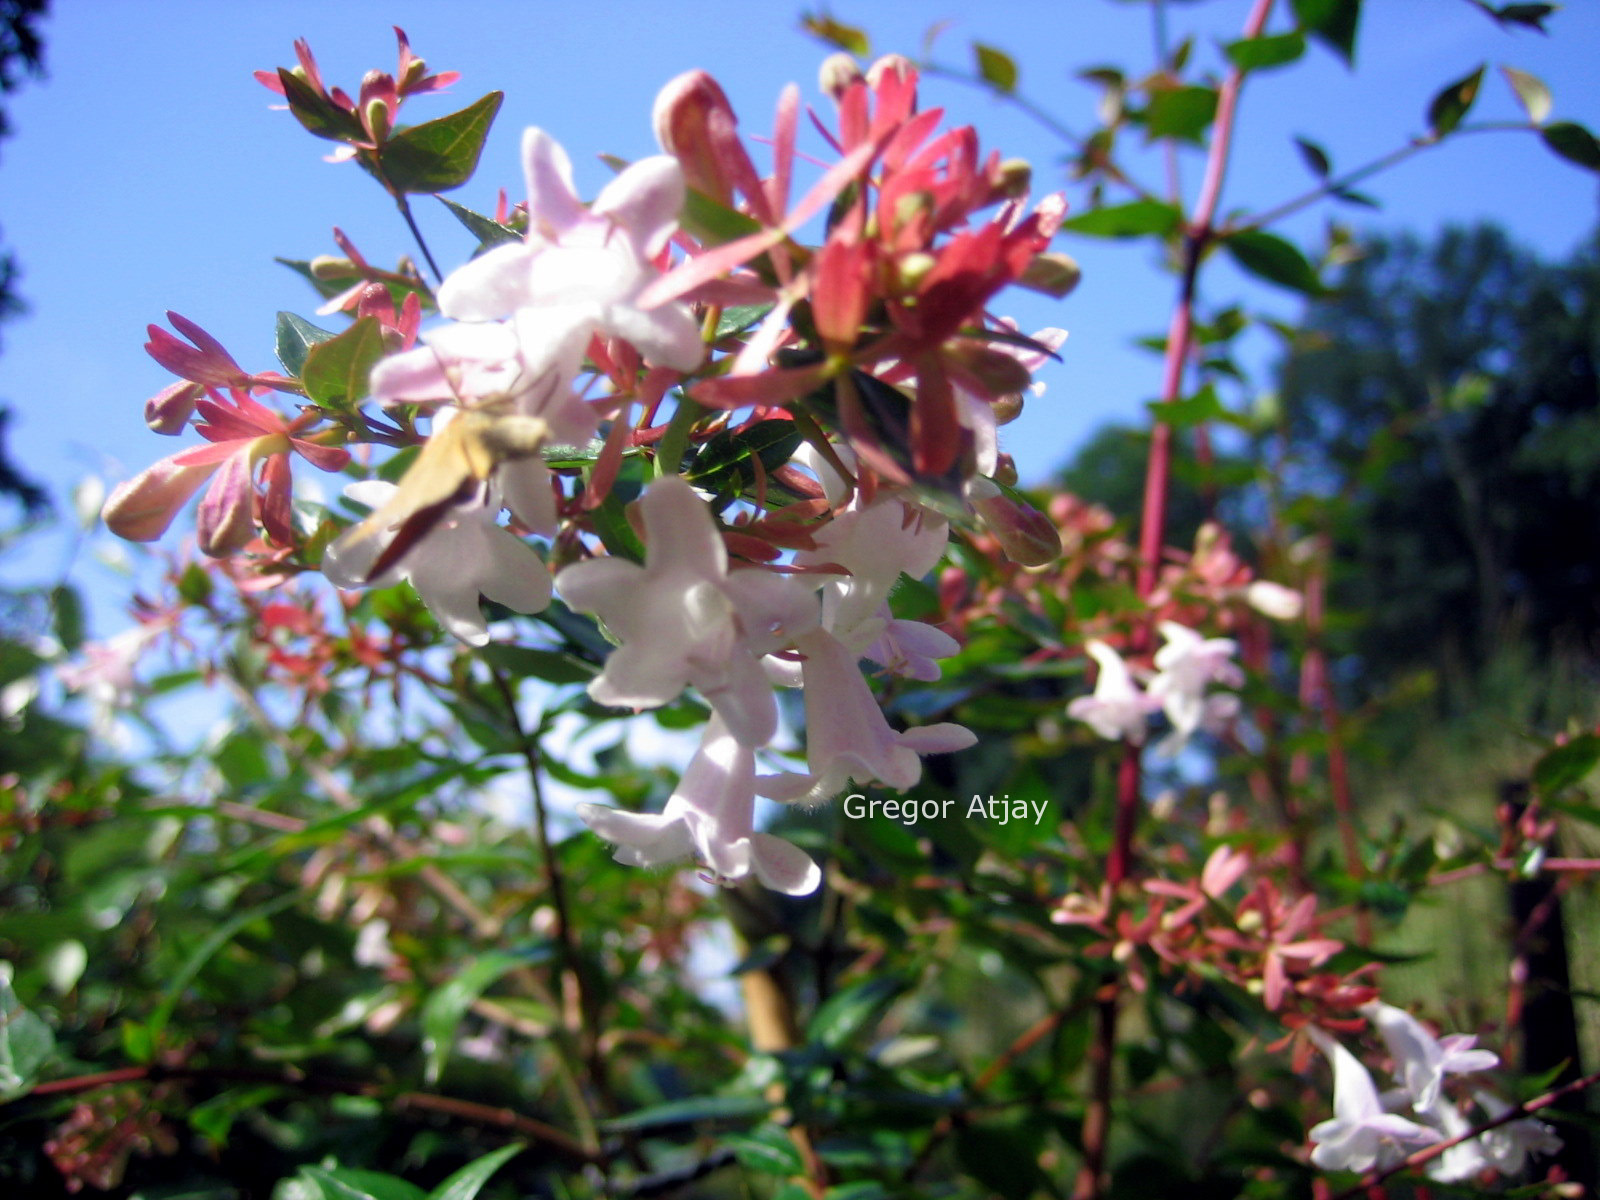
(1446, 395)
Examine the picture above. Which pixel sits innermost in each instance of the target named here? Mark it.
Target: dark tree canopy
(1447, 393)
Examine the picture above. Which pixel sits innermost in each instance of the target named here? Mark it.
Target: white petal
(646, 200)
(491, 286)
(783, 866)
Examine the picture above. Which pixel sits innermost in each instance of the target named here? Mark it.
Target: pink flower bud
(1052, 273)
(837, 73)
(1024, 533)
(141, 509)
(168, 410)
(1274, 600)
(695, 123)
(226, 517)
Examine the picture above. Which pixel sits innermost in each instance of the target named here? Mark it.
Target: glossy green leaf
(691, 1112)
(487, 230)
(1532, 93)
(1138, 218)
(443, 1010)
(528, 662)
(724, 462)
(1452, 103)
(1332, 22)
(336, 371)
(295, 336)
(347, 1183)
(848, 1013)
(26, 1042)
(1202, 408)
(440, 154)
(1180, 112)
(1274, 259)
(713, 222)
(995, 67)
(466, 1183)
(1270, 50)
(739, 317)
(768, 1150)
(1574, 143)
(1564, 766)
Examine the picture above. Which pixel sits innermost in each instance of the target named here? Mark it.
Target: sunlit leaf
(466, 1183)
(442, 1012)
(1267, 51)
(1135, 219)
(1180, 112)
(995, 67)
(440, 154)
(295, 336)
(1563, 766)
(1274, 259)
(1531, 92)
(26, 1042)
(347, 1183)
(336, 371)
(487, 230)
(836, 33)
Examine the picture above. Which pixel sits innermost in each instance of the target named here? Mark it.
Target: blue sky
(149, 173)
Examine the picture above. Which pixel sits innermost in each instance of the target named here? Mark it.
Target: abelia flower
(1360, 1135)
(242, 434)
(1420, 1060)
(710, 816)
(847, 737)
(1119, 709)
(593, 262)
(1510, 1146)
(684, 618)
(1186, 666)
(460, 558)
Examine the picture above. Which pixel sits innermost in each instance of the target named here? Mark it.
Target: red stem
(1092, 1180)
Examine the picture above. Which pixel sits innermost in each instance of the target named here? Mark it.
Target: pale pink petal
(645, 200)
(491, 286)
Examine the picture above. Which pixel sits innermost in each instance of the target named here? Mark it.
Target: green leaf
(1274, 259)
(1138, 218)
(739, 317)
(1529, 16)
(295, 338)
(1566, 765)
(1452, 103)
(995, 67)
(1332, 22)
(528, 662)
(443, 1010)
(767, 1150)
(26, 1042)
(487, 230)
(712, 222)
(1270, 50)
(836, 33)
(347, 1183)
(847, 1013)
(723, 463)
(1199, 409)
(1316, 158)
(202, 954)
(66, 607)
(466, 1183)
(318, 114)
(1573, 142)
(690, 1112)
(336, 371)
(440, 154)
(1531, 91)
(1180, 112)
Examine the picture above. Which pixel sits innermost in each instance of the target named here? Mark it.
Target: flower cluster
(1368, 1129)
(1185, 667)
(874, 374)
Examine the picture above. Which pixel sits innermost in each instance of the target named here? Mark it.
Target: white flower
(591, 262)
(464, 556)
(684, 618)
(710, 816)
(1186, 666)
(1118, 709)
(1510, 1146)
(1361, 1135)
(847, 737)
(1420, 1061)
